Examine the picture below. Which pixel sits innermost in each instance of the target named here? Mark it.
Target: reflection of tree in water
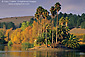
(67, 54)
(57, 54)
(2, 47)
(46, 54)
(19, 52)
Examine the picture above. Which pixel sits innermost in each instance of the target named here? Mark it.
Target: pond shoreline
(44, 48)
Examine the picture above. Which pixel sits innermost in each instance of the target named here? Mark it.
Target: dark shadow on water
(2, 47)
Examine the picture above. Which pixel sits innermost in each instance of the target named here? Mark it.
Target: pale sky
(67, 6)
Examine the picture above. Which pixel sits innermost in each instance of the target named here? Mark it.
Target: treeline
(7, 25)
(75, 21)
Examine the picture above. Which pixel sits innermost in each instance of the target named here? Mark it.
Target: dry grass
(77, 31)
(16, 20)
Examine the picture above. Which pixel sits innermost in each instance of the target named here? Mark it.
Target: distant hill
(77, 31)
(16, 20)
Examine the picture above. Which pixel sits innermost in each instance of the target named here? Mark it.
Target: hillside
(77, 31)
(16, 20)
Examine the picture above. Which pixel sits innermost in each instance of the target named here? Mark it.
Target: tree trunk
(38, 30)
(56, 26)
(52, 36)
(44, 24)
(52, 29)
(56, 34)
(57, 17)
(62, 24)
(41, 30)
(66, 24)
(38, 33)
(46, 37)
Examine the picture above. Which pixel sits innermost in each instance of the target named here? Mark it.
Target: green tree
(66, 21)
(10, 25)
(7, 25)
(31, 21)
(83, 25)
(38, 15)
(62, 33)
(24, 25)
(57, 7)
(53, 13)
(45, 15)
(2, 36)
(61, 21)
(40, 10)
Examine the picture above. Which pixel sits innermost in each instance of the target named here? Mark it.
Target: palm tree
(57, 7)
(37, 17)
(40, 10)
(38, 14)
(53, 13)
(47, 26)
(45, 14)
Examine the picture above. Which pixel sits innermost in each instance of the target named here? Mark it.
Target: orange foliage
(16, 36)
(8, 34)
(27, 35)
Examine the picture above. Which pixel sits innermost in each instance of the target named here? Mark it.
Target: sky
(13, 8)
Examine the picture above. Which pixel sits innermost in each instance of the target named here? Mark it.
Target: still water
(6, 51)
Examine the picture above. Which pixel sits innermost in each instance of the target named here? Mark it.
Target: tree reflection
(20, 52)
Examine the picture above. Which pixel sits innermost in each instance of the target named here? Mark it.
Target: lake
(6, 51)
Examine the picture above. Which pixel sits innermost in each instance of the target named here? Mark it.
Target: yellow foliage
(8, 34)
(16, 36)
(27, 34)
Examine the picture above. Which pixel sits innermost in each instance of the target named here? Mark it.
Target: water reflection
(20, 52)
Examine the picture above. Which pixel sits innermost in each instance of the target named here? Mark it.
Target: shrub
(27, 45)
(10, 43)
(71, 41)
(49, 42)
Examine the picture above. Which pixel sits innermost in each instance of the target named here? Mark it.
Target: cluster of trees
(44, 28)
(7, 25)
(74, 20)
(2, 36)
